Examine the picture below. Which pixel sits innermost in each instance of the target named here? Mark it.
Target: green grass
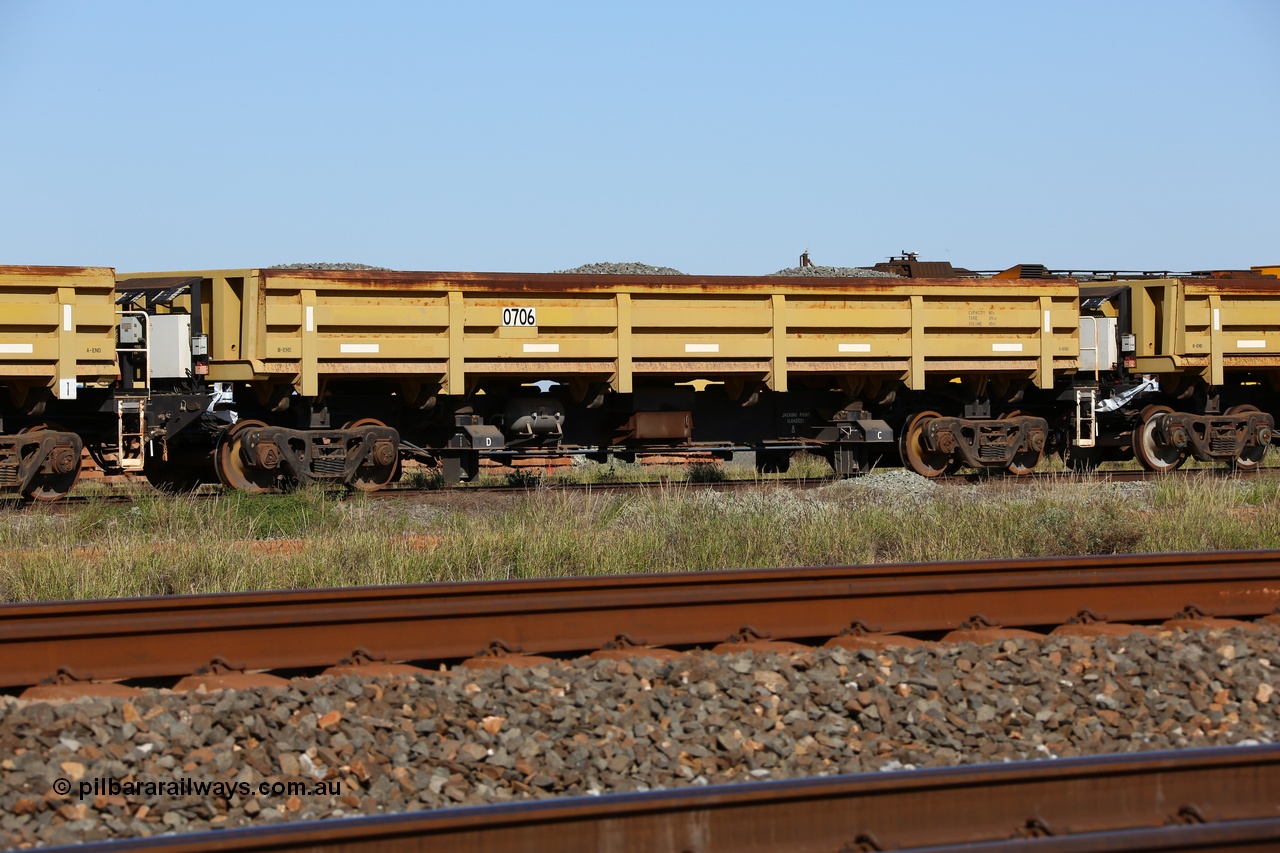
(157, 545)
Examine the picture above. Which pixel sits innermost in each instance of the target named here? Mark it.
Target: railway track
(409, 492)
(1203, 800)
(1197, 799)
(1116, 476)
(979, 478)
(972, 477)
(83, 643)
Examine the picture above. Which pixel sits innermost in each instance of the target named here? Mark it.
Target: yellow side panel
(456, 328)
(1209, 326)
(651, 313)
(57, 326)
(318, 330)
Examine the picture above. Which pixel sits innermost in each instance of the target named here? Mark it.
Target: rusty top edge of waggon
(570, 282)
(54, 272)
(1242, 287)
(592, 281)
(583, 281)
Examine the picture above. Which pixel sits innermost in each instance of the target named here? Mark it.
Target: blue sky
(718, 138)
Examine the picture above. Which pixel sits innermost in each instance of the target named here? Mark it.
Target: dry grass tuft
(159, 545)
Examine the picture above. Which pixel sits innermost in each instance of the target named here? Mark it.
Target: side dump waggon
(262, 378)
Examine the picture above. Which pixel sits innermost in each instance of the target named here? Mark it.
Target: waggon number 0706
(519, 317)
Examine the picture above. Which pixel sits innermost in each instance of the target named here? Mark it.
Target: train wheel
(371, 478)
(1251, 457)
(232, 470)
(915, 455)
(1025, 462)
(54, 485)
(1151, 454)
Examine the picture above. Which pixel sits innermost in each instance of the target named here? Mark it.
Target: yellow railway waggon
(259, 378)
(452, 359)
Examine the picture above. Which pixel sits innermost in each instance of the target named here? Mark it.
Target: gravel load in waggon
(836, 272)
(591, 727)
(611, 268)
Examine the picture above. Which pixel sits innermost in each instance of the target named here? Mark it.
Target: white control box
(1098, 343)
(170, 346)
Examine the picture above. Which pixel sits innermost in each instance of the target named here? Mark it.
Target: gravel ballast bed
(587, 727)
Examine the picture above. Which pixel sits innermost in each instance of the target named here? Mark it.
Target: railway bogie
(253, 456)
(339, 375)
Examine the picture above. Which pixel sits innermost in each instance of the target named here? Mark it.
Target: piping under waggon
(267, 378)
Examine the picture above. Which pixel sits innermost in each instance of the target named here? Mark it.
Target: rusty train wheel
(230, 465)
(371, 478)
(1251, 457)
(1150, 454)
(51, 486)
(915, 455)
(1022, 463)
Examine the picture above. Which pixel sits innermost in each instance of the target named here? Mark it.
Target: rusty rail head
(1097, 803)
(1258, 836)
(149, 637)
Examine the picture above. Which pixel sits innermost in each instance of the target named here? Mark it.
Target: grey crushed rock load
(327, 267)
(836, 272)
(605, 268)
(485, 736)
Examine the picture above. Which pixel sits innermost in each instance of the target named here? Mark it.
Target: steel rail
(175, 635)
(552, 487)
(993, 477)
(1117, 803)
(1254, 836)
(68, 504)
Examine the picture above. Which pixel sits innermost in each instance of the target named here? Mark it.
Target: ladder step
(133, 410)
(1086, 417)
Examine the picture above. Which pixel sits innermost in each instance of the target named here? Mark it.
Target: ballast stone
(579, 727)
